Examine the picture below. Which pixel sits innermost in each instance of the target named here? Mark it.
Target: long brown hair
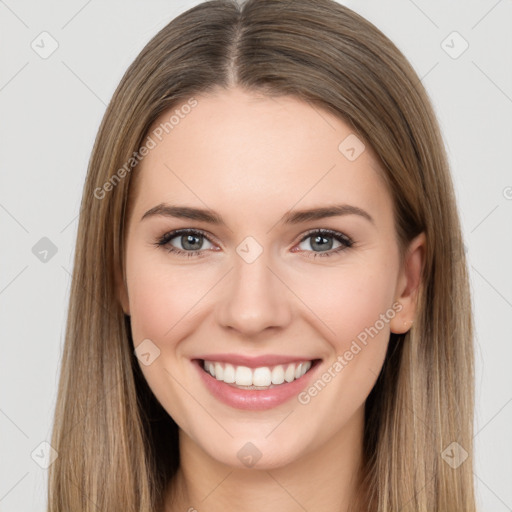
(117, 447)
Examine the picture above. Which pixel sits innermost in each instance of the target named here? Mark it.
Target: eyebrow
(291, 217)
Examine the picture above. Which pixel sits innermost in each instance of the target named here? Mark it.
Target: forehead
(238, 151)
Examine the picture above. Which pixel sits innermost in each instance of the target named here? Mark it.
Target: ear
(122, 291)
(408, 285)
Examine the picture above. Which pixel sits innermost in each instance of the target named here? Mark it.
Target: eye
(190, 240)
(322, 244)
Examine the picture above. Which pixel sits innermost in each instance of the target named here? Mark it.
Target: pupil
(186, 239)
(320, 245)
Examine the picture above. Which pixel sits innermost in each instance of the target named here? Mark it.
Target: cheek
(357, 308)
(160, 297)
(162, 300)
(352, 300)
(153, 307)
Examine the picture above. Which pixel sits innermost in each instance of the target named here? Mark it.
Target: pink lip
(253, 399)
(253, 362)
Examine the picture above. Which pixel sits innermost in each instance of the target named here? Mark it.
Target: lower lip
(253, 399)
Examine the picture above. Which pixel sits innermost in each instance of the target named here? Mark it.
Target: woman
(216, 355)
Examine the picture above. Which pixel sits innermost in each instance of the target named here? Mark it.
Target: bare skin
(253, 159)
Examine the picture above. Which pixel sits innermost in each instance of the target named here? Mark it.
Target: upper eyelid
(177, 232)
(212, 239)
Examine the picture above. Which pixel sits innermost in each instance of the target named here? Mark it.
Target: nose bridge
(255, 298)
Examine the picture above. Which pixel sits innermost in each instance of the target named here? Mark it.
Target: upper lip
(254, 361)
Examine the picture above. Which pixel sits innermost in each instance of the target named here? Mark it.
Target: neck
(325, 478)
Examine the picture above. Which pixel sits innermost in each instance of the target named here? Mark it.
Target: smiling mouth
(260, 378)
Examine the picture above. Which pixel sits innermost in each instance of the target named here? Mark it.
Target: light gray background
(50, 110)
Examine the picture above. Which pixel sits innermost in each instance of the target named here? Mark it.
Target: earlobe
(409, 284)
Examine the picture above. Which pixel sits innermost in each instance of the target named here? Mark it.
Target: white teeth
(289, 374)
(219, 371)
(229, 374)
(261, 377)
(302, 368)
(278, 375)
(243, 376)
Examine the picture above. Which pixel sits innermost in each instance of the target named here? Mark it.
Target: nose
(254, 299)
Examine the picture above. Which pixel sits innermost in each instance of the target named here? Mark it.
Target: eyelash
(340, 237)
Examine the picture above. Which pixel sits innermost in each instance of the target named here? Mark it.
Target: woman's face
(255, 288)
